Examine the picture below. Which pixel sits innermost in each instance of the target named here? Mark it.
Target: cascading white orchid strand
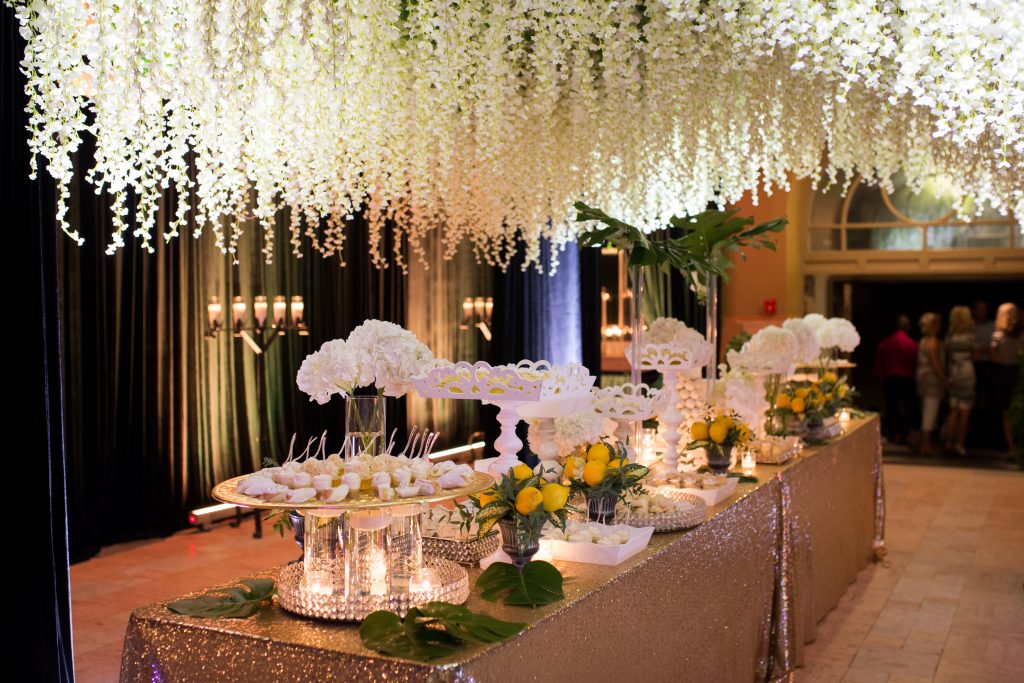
(485, 120)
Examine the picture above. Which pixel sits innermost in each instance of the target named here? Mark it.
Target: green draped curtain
(156, 412)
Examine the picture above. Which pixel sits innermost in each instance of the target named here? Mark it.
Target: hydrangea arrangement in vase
(380, 354)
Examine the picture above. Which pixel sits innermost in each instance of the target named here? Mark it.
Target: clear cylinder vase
(323, 551)
(365, 425)
(367, 553)
(406, 557)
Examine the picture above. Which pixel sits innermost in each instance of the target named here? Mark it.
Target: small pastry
(420, 468)
(301, 495)
(336, 494)
(441, 468)
(257, 486)
(407, 491)
(451, 480)
(284, 476)
(302, 480)
(380, 479)
(323, 482)
(252, 480)
(402, 476)
(385, 493)
(427, 487)
(351, 480)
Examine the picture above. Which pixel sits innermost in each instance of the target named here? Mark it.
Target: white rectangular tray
(588, 553)
(710, 496)
(592, 553)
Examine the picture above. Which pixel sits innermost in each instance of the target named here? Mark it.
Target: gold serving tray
(361, 500)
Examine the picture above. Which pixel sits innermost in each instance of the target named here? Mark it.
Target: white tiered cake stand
(671, 360)
(527, 389)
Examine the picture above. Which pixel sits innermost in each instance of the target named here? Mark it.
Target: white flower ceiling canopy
(487, 119)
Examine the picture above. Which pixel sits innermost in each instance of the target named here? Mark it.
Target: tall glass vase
(711, 330)
(773, 424)
(365, 424)
(636, 276)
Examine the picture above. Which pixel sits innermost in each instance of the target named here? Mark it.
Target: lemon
(718, 432)
(599, 452)
(802, 392)
(617, 463)
(488, 496)
(829, 377)
(528, 500)
(520, 472)
(594, 472)
(798, 406)
(782, 401)
(572, 466)
(555, 496)
(699, 431)
(841, 390)
(725, 420)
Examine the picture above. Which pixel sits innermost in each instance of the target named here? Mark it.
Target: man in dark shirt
(895, 365)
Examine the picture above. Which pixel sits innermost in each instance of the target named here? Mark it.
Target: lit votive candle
(844, 418)
(748, 463)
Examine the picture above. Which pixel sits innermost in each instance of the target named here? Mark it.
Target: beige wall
(767, 274)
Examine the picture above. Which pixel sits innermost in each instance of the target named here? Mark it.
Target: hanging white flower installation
(487, 119)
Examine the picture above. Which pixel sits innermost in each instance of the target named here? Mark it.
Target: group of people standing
(976, 354)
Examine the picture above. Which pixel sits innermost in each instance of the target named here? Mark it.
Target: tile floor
(105, 589)
(948, 607)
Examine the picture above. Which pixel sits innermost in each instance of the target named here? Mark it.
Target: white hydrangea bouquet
(834, 335)
(376, 353)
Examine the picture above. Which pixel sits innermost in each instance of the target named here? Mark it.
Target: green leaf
(467, 625)
(489, 514)
(540, 583)
(232, 602)
(432, 630)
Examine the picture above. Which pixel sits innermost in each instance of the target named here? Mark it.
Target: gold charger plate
(225, 492)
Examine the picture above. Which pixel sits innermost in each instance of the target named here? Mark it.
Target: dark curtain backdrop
(41, 602)
(157, 413)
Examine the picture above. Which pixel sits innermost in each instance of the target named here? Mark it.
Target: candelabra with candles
(477, 312)
(259, 336)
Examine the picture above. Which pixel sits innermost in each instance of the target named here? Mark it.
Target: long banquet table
(734, 599)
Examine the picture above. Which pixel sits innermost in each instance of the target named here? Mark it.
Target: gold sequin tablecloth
(730, 600)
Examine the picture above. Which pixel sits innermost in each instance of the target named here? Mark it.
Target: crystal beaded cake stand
(526, 389)
(363, 554)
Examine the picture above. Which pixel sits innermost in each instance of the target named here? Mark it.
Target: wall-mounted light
(298, 315)
(478, 312)
(280, 311)
(238, 314)
(214, 315)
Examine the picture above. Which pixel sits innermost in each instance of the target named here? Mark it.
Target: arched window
(869, 218)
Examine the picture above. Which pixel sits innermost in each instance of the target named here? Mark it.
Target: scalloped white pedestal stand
(629, 404)
(556, 390)
(671, 418)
